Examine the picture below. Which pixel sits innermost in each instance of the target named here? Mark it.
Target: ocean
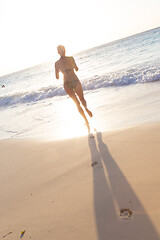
(120, 81)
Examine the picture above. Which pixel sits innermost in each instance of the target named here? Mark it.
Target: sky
(30, 30)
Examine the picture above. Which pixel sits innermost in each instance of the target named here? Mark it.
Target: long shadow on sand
(112, 192)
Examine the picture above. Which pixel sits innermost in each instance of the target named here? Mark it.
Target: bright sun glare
(68, 123)
(34, 29)
(31, 29)
(73, 124)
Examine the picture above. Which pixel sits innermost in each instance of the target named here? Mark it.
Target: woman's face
(62, 51)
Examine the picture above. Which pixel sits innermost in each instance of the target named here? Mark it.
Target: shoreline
(78, 188)
(113, 109)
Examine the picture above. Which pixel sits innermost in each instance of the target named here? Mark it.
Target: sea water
(120, 81)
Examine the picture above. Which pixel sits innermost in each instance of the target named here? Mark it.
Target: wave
(34, 96)
(121, 78)
(135, 75)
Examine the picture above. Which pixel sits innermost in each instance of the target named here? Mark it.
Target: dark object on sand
(93, 164)
(126, 212)
(22, 233)
(7, 234)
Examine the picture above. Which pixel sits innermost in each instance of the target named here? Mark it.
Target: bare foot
(89, 112)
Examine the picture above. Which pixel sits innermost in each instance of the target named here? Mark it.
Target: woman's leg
(79, 92)
(72, 95)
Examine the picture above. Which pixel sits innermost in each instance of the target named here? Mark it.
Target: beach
(58, 182)
(101, 186)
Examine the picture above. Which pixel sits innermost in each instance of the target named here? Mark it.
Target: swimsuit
(72, 84)
(67, 70)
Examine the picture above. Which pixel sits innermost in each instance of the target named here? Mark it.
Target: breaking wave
(135, 75)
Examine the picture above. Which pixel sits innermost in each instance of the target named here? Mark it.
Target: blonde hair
(61, 48)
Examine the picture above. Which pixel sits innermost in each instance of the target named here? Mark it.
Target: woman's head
(61, 50)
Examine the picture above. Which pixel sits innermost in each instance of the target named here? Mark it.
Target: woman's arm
(56, 70)
(74, 64)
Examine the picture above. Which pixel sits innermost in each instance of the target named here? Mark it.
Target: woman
(72, 85)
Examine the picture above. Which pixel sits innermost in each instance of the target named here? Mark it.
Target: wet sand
(105, 186)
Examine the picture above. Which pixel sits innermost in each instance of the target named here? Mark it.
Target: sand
(103, 188)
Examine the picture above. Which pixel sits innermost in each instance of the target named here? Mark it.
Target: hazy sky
(30, 30)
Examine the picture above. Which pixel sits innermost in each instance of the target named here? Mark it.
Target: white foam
(133, 60)
(139, 74)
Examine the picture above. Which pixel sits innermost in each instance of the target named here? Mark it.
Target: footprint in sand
(93, 164)
(125, 213)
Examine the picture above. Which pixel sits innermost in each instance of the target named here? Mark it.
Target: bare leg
(79, 92)
(72, 94)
